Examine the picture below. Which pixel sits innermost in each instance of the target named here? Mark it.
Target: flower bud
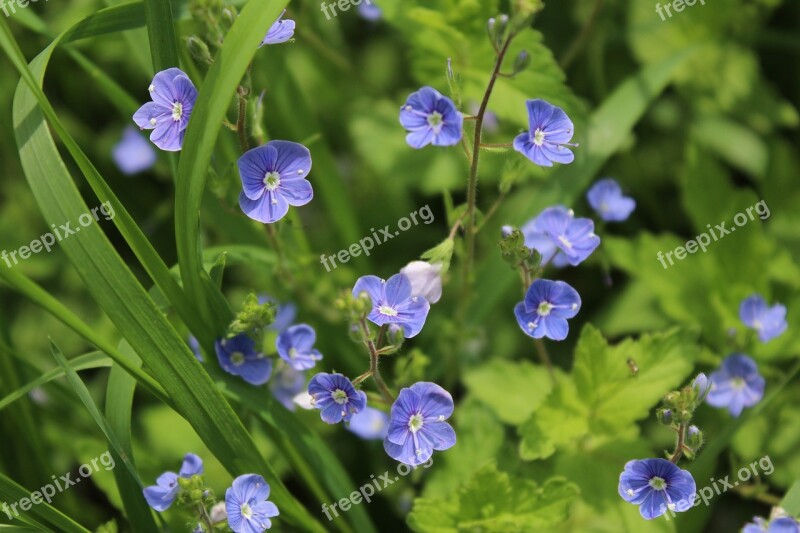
(218, 513)
(521, 62)
(199, 50)
(664, 416)
(672, 398)
(425, 278)
(701, 385)
(694, 437)
(506, 231)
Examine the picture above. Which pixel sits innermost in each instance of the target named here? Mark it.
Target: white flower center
(247, 512)
(237, 358)
(177, 111)
(293, 353)
(565, 241)
(415, 423)
(435, 121)
(272, 180)
(658, 483)
(538, 137)
(339, 396)
(738, 383)
(544, 308)
(386, 310)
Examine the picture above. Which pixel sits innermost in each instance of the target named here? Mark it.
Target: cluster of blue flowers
(245, 508)
(659, 485)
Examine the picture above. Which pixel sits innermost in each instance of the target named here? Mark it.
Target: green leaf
(11, 492)
(161, 31)
(513, 390)
(494, 501)
(791, 502)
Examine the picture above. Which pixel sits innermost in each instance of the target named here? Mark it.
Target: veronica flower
(368, 10)
(284, 314)
(770, 322)
(573, 236)
(548, 136)
(295, 345)
(607, 200)
(273, 178)
(782, 524)
(418, 424)
(247, 506)
(168, 115)
(537, 239)
(238, 356)
(425, 278)
(280, 31)
(370, 424)
(656, 485)
(392, 303)
(736, 385)
(133, 154)
(546, 308)
(161, 495)
(431, 118)
(336, 397)
(286, 384)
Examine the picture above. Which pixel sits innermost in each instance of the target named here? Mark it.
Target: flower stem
(541, 351)
(472, 184)
(679, 445)
(241, 123)
(373, 363)
(204, 517)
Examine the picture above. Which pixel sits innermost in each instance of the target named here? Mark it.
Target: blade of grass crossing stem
(216, 93)
(161, 32)
(119, 406)
(11, 492)
(126, 303)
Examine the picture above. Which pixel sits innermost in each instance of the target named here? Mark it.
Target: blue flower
(194, 345)
(368, 10)
(286, 384)
(607, 200)
(296, 346)
(656, 485)
(370, 424)
(573, 236)
(431, 118)
(238, 356)
(247, 506)
(783, 524)
(284, 315)
(768, 321)
(392, 303)
(133, 154)
(736, 385)
(336, 397)
(418, 424)
(161, 495)
(550, 131)
(280, 32)
(273, 178)
(537, 239)
(168, 115)
(546, 308)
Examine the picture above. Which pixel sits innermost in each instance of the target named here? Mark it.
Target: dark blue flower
(296, 346)
(168, 115)
(431, 118)
(607, 200)
(768, 321)
(573, 236)
(369, 424)
(418, 424)
(392, 302)
(546, 308)
(286, 384)
(238, 356)
(247, 506)
(736, 385)
(133, 154)
(656, 485)
(161, 495)
(284, 315)
(273, 178)
(336, 397)
(368, 10)
(537, 239)
(782, 524)
(547, 139)
(280, 31)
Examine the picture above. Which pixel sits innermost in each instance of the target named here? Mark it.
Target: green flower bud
(199, 50)
(521, 62)
(694, 438)
(664, 416)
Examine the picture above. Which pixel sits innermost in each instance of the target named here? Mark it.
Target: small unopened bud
(199, 50)
(701, 385)
(229, 15)
(522, 61)
(506, 230)
(694, 438)
(218, 513)
(672, 398)
(664, 416)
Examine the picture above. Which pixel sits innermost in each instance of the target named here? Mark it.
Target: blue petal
(192, 465)
(133, 154)
(253, 166)
(263, 209)
(373, 286)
